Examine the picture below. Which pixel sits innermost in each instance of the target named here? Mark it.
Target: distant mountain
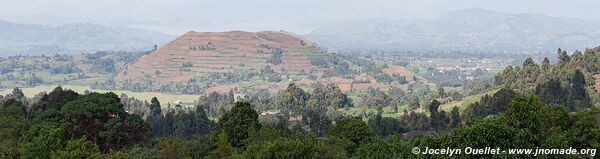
(17, 38)
(466, 30)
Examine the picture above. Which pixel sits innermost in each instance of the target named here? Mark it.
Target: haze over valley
(480, 28)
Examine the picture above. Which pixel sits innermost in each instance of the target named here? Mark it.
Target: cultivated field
(465, 101)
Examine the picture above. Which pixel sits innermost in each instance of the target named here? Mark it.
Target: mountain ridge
(465, 30)
(31, 39)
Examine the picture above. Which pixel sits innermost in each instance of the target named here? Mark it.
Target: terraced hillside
(201, 53)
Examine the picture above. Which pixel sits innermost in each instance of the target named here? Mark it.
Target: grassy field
(466, 101)
(88, 81)
(164, 98)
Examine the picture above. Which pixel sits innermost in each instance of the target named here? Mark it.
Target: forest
(547, 105)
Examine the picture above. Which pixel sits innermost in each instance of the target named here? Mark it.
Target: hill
(205, 62)
(195, 54)
(17, 38)
(466, 30)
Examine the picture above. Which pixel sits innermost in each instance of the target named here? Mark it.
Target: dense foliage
(568, 82)
(96, 125)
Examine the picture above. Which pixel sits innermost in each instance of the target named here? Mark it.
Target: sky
(299, 16)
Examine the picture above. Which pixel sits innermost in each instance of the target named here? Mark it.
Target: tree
(396, 93)
(54, 100)
(489, 105)
(293, 99)
(200, 146)
(385, 126)
(166, 122)
(376, 99)
(155, 108)
(170, 148)
(276, 58)
(122, 155)
(186, 124)
(300, 147)
(414, 102)
(203, 124)
(223, 150)
(266, 134)
(231, 96)
(237, 123)
(529, 63)
(578, 96)
(551, 91)
(441, 92)
(336, 98)
(14, 123)
(19, 95)
(13, 108)
(526, 123)
(101, 117)
(583, 129)
(487, 133)
(154, 116)
(563, 58)
(525, 113)
(41, 141)
(415, 121)
(317, 121)
(545, 64)
(437, 118)
(355, 130)
(382, 149)
(455, 117)
(77, 149)
(314, 116)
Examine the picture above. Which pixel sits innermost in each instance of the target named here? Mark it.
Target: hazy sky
(300, 16)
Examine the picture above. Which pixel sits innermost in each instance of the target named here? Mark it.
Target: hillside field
(201, 53)
(163, 97)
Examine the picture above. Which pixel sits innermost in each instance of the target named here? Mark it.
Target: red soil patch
(402, 71)
(338, 80)
(363, 86)
(344, 84)
(398, 70)
(279, 37)
(597, 77)
(305, 82)
(365, 77)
